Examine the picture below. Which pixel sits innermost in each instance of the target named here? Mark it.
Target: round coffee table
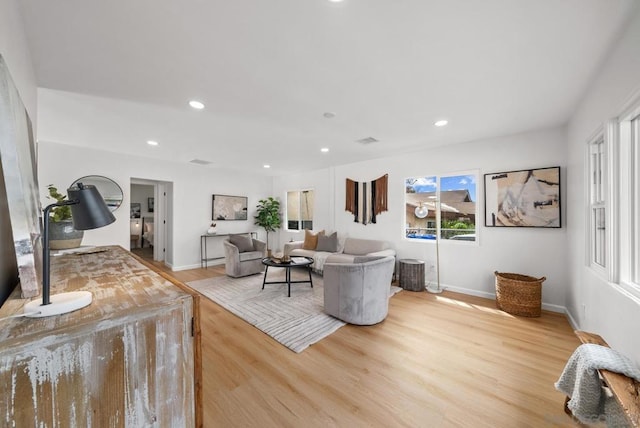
(296, 261)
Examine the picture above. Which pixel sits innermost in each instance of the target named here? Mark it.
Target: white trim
(546, 306)
(635, 201)
(575, 325)
(612, 203)
(629, 203)
(592, 190)
(195, 266)
(628, 290)
(631, 107)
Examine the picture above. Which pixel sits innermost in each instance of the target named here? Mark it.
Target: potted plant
(268, 216)
(62, 235)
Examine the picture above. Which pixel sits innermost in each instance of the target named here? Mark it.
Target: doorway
(149, 219)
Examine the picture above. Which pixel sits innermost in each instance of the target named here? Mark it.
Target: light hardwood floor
(448, 360)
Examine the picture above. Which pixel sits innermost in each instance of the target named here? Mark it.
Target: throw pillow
(328, 243)
(243, 242)
(311, 239)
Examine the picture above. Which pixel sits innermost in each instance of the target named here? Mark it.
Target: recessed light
(442, 122)
(324, 149)
(335, 1)
(196, 104)
(266, 166)
(152, 143)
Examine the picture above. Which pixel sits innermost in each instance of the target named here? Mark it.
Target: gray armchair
(358, 292)
(243, 255)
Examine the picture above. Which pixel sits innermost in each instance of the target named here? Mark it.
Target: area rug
(296, 322)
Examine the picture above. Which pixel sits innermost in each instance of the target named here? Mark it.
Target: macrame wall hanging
(365, 200)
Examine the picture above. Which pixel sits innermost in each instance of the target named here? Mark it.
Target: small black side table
(412, 274)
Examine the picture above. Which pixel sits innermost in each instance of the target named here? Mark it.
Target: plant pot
(63, 236)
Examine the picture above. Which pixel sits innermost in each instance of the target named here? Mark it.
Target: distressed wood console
(130, 359)
(623, 388)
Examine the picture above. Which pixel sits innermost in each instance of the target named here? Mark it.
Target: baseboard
(186, 267)
(546, 306)
(469, 291)
(196, 266)
(554, 308)
(572, 320)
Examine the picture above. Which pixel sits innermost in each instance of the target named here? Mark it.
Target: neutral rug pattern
(296, 322)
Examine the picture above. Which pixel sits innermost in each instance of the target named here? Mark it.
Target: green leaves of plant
(58, 213)
(268, 214)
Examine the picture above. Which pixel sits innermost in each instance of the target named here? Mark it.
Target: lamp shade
(421, 211)
(91, 211)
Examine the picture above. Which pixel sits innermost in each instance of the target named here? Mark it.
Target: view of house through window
(300, 210)
(441, 206)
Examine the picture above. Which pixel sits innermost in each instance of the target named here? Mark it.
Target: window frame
(438, 215)
(622, 142)
(628, 133)
(597, 196)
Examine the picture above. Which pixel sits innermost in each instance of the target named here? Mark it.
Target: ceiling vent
(368, 140)
(200, 162)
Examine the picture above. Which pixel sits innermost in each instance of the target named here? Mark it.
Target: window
(300, 210)
(443, 207)
(629, 178)
(597, 202)
(614, 200)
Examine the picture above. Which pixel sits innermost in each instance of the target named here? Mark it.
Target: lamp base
(61, 303)
(435, 290)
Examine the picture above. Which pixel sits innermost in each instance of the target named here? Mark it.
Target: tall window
(300, 210)
(597, 208)
(629, 139)
(442, 206)
(614, 204)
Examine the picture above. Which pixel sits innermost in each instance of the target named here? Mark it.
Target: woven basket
(519, 294)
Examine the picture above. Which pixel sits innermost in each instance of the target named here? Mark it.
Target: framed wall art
(226, 207)
(136, 210)
(526, 198)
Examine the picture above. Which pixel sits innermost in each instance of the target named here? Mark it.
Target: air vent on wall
(200, 162)
(367, 140)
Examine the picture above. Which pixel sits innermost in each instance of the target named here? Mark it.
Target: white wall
(468, 267)
(606, 310)
(192, 187)
(14, 49)
(141, 193)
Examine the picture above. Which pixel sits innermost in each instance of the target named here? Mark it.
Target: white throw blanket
(581, 382)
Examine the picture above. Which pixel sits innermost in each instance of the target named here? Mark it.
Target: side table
(412, 274)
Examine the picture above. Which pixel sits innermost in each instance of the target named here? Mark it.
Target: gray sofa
(358, 293)
(354, 250)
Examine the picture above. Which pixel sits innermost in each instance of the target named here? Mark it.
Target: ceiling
(118, 73)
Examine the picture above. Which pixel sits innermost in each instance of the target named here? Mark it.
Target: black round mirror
(109, 189)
